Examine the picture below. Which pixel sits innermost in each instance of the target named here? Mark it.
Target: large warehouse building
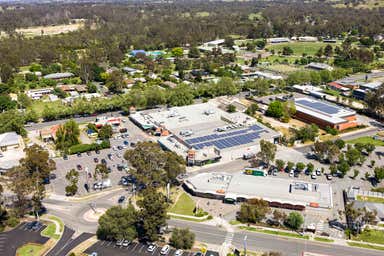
(204, 133)
(279, 192)
(324, 114)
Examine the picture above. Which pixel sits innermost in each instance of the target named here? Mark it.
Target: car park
(165, 250)
(179, 252)
(151, 247)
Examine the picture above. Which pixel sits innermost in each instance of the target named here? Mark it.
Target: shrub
(81, 148)
(12, 221)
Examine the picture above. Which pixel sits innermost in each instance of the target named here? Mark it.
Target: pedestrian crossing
(229, 238)
(320, 226)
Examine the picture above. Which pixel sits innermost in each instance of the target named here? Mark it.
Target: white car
(126, 243)
(119, 242)
(318, 172)
(151, 247)
(313, 176)
(179, 252)
(165, 250)
(291, 173)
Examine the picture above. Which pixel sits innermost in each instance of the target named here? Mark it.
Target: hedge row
(81, 148)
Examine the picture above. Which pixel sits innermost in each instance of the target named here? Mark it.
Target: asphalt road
(63, 242)
(258, 241)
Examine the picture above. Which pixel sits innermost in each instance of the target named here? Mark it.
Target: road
(265, 242)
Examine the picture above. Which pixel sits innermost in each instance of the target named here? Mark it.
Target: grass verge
(274, 232)
(184, 205)
(365, 140)
(370, 199)
(30, 250)
(323, 239)
(188, 219)
(367, 246)
(51, 217)
(371, 236)
(50, 230)
(234, 222)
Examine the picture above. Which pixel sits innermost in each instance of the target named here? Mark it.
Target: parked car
(119, 242)
(96, 160)
(291, 173)
(78, 154)
(121, 199)
(97, 151)
(133, 144)
(318, 172)
(119, 147)
(126, 243)
(126, 143)
(336, 225)
(151, 247)
(313, 176)
(165, 250)
(103, 161)
(65, 157)
(296, 175)
(179, 252)
(329, 177)
(37, 226)
(79, 167)
(110, 156)
(198, 254)
(88, 153)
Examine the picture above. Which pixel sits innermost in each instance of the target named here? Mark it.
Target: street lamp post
(245, 245)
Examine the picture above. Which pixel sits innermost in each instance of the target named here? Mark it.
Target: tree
(105, 132)
(72, 177)
(67, 135)
(290, 165)
(153, 213)
(275, 109)
(352, 156)
(118, 223)
(279, 216)
(355, 173)
(231, 108)
(12, 121)
(280, 164)
(194, 52)
(340, 143)
(267, 151)
(310, 168)
(101, 172)
(6, 103)
(287, 51)
(115, 81)
(177, 52)
(328, 50)
(379, 173)
(182, 238)
(181, 95)
(373, 162)
(300, 166)
(27, 178)
(343, 167)
(294, 220)
(253, 211)
(251, 110)
(150, 163)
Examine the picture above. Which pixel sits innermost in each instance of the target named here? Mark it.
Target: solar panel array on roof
(227, 139)
(320, 106)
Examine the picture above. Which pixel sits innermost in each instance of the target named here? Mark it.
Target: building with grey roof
(9, 140)
(279, 192)
(57, 76)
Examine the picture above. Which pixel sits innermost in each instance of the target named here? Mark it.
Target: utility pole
(245, 245)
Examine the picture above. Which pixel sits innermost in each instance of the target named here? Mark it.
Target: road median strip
(275, 232)
(366, 246)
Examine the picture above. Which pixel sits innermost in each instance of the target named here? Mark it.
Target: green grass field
(273, 232)
(371, 236)
(310, 48)
(371, 199)
(323, 239)
(184, 205)
(367, 246)
(39, 105)
(49, 231)
(30, 250)
(367, 139)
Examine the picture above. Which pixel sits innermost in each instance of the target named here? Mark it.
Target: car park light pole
(245, 245)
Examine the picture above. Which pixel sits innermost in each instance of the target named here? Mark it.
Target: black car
(65, 157)
(103, 161)
(37, 226)
(97, 151)
(119, 147)
(29, 225)
(78, 154)
(296, 175)
(96, 160)
(121, 199)
(52, 176)
(337, 225)
(109, 170)
(88, 153)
